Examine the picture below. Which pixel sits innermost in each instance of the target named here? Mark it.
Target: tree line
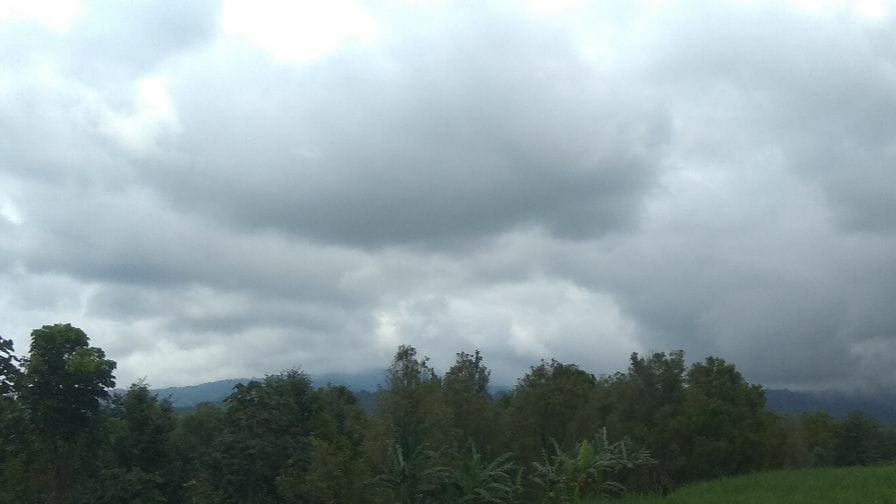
(561, 435)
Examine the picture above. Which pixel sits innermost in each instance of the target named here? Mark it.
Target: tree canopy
(562, 435)
(65, 380)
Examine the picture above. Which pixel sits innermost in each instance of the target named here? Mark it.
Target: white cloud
(56, 15)
(872, 11)
(514, 325)
(10, 212)
(299, 31)
(152, 113)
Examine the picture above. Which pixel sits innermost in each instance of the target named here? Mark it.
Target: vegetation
(866, 485)
(560, 436)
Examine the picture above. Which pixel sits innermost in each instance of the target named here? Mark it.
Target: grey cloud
(197, 314)
(130, 303)
(720, 184)
(50, 133)
(778, 328)
(40, 293)
(751, 267)
(770, 237)
(128, 238)
(454, 135)
(63, 92)
(817, 90)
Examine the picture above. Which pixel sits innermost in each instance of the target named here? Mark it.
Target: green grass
(859, 485)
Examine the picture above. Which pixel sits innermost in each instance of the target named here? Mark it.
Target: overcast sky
(227, 189)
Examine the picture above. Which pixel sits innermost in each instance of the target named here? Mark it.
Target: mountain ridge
(365, 385)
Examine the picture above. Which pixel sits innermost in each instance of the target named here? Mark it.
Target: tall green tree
(140, 459)
(266, 433)
(819, 432)
(141, 427)
(12, 427)
(552, 401)
(196, 452)
(9, 371)
(338, 466)
(857, 441)
(725, 420)
(469, 407)
(65, 380)
(61, 390)
(649, 393)
(645, 403)
(411, 403)
(413, 460)
(9, 374)
(887, 444)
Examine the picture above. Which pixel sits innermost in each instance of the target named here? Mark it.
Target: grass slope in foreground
(855, 485)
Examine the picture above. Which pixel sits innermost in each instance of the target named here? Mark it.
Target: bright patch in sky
(301, 31)
(153, 112)
(57, 15)
(866, 10)
(10, 212)
(554, 6)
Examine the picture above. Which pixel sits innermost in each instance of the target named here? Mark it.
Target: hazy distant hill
(215, 392)
(365, 385)
(836, 404)
(191, 395)
(369, 380)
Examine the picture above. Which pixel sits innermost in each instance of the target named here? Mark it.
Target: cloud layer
(210, 194)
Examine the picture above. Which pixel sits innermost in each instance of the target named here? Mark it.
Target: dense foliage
(561, 435)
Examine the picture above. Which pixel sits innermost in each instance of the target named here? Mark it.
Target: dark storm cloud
(473, 130)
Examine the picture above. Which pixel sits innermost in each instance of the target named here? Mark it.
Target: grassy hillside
(861, 485)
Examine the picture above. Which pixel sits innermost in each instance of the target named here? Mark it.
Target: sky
(219, 189)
